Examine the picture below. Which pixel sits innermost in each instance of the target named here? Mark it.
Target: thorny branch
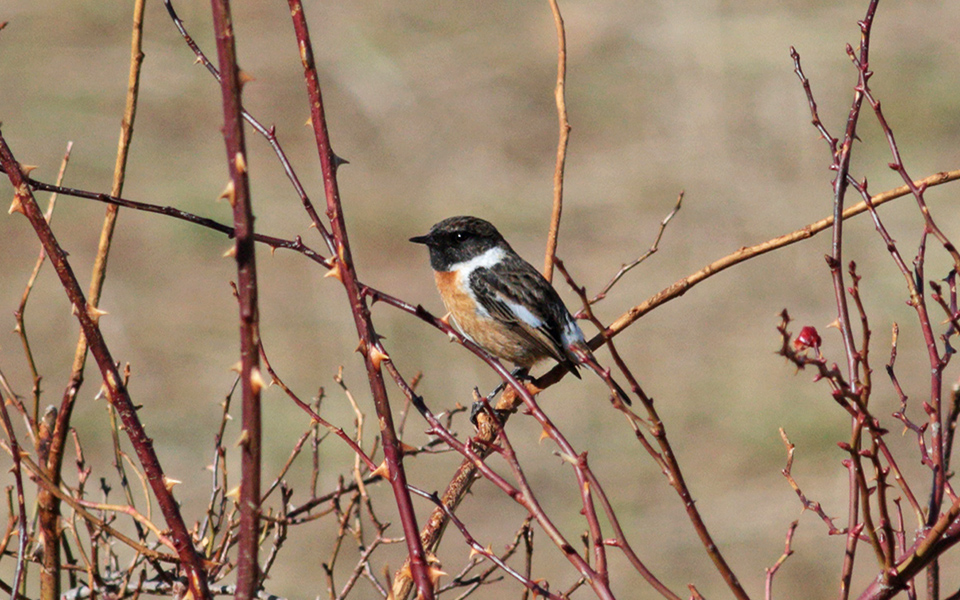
(237, 193)
(870, 502)
(807, 503)
(344, 270)
(221, 531)
(88, 316)
(787, 553)
(52, 459)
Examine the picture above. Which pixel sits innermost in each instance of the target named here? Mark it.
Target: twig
(86, 515)
(881, 536)
(23, 537)
(338, 431)
(215, 508)
(295, 244)
(937, 364)
(362, 563)
(25, 203)
(269, 134)
(807, 504)
(50, 584)
(280, 535)
(132, 513)
(477, 548)
(237, 193)
(357, 477)
(294, 453)
(564, 126)
(527, 555)
(343, 269)
(21, 327)
(944, 534)
(472, 584)
(787, 553)
(841, 164)
(624, 269)
(118, 459)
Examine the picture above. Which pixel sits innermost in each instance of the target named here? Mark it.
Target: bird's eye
(459, 236)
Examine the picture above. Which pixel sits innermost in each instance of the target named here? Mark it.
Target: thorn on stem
(17, 206)
(240, 162)
(229, 192)
(338, 161)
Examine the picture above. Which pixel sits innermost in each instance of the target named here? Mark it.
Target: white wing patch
(571, 334)
(524, 314)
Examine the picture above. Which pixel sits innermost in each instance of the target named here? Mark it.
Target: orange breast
(509, 343)
(458, 302)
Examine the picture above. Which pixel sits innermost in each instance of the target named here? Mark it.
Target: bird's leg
(520, 374)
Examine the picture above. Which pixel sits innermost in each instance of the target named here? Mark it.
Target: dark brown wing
(517, 295)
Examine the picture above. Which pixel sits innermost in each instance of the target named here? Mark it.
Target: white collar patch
(487, 260)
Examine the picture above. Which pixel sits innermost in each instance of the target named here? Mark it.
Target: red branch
(841, 164)
(343, 269)
(937, 364)
(22, 534)
(25, 203)
(269, 134)
(477, 548)
(251, 382)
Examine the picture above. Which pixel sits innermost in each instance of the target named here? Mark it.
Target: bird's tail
(585, 357)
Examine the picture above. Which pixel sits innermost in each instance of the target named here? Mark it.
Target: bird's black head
(457, 239)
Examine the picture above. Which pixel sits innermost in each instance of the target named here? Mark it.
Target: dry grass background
(448, 109)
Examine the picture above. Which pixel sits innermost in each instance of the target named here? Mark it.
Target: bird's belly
(499, 339)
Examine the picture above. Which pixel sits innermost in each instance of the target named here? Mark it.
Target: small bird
(500, 301)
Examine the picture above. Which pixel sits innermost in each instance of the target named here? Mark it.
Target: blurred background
(448, 108)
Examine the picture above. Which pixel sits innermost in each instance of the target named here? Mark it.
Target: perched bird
(500, 301)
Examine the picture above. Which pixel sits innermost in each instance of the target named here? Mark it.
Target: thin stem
(477, 548)
(25, 203)
(21, 327)
(564, 126)
(672, 292)
(22, 534)
(49, 515)
(269, 133)
(338, 431)
(344, 270)
(251, 381)
(626, 268)
(787, 553)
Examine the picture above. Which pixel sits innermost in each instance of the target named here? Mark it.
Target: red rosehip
(807, 338)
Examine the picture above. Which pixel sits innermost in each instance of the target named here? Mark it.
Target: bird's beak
(421, 239)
